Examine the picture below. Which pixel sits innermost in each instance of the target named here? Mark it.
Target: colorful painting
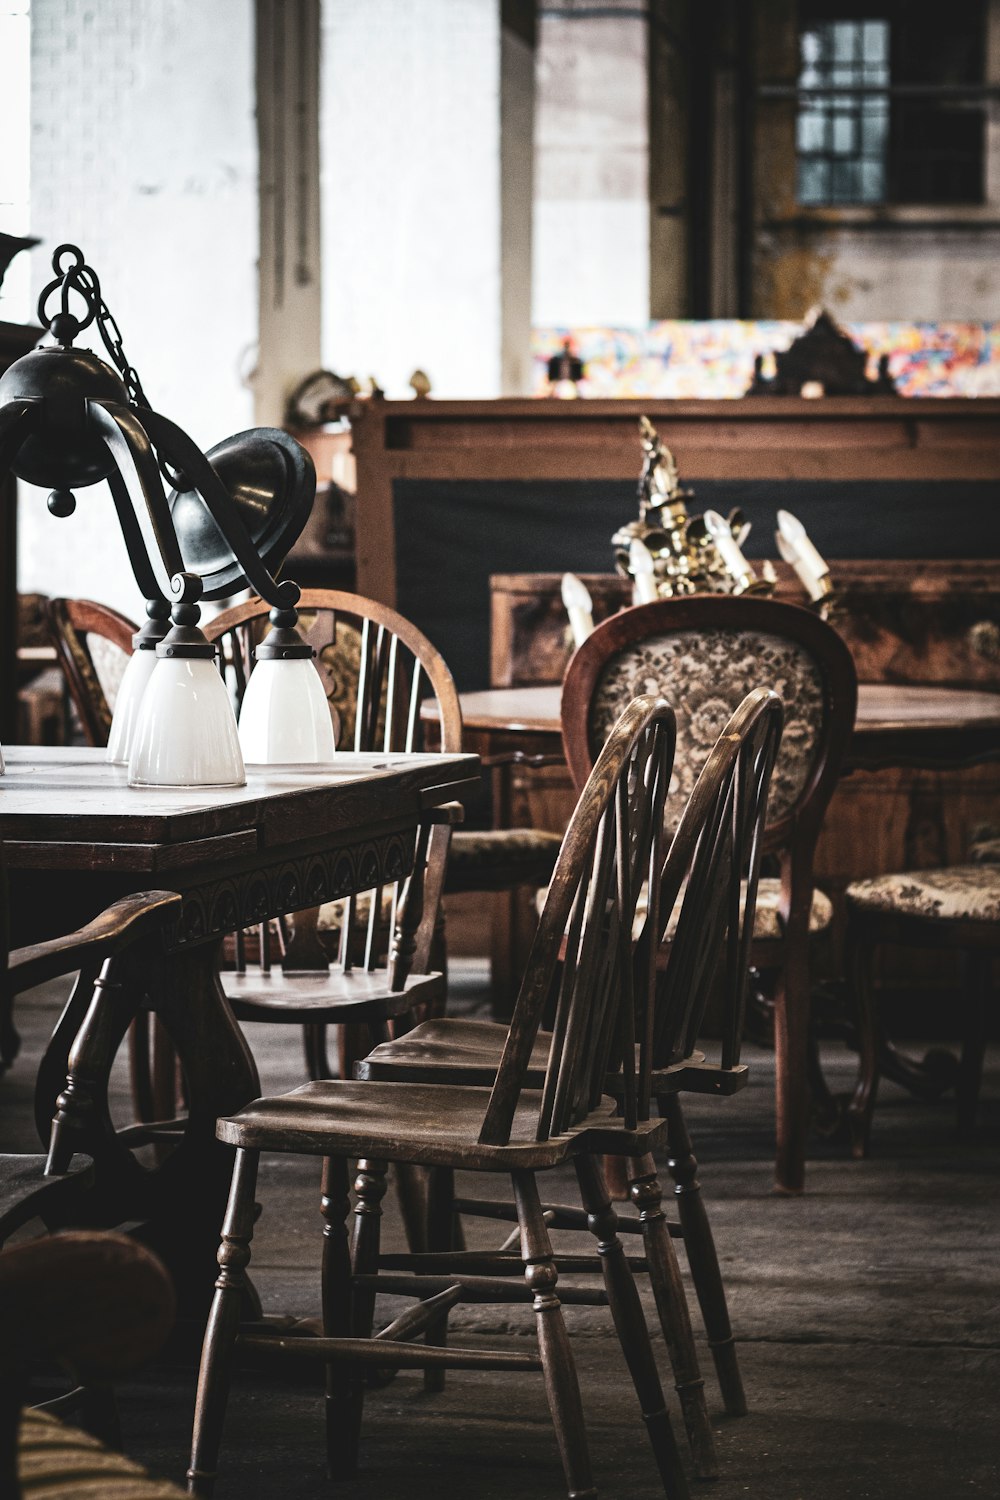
(714, 359)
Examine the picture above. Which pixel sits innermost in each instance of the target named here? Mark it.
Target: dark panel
(451, 535)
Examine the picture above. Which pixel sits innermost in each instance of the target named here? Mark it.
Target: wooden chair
(468, 1052)
(956, 908)
(377, 668)
(607, 1026)
(93, 644)
(703, 654)
(99, 1304)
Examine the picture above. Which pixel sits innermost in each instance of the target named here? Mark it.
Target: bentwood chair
(460, 1051)
(956, 908)
(546, 1105)
(703, 654)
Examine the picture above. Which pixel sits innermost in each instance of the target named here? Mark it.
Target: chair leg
(859, 963)
(440, 1236)
(702, 1257)
(672, 1308)
(370, 1186)
(633, 1335)
(977, 977)
(317, 1061)
(223, 1326)
(561, 1384)
(335, 1205)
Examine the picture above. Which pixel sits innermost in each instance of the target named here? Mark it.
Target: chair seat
(59, 1462)
(316, 995)
(427, 1123)
(455, 1051)
(958, 893)
(26, 1193)
(500, 858)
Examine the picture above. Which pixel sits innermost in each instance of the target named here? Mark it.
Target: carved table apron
(77, 837)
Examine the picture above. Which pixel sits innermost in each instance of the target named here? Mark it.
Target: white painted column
(591, 255)
(410, 150)
(144, 153)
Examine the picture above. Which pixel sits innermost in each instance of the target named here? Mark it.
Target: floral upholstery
(109, 662)
(704, 675)
(517, 856)
(969, 893)
(61, 1462)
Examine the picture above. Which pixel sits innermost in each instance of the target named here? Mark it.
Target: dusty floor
(867, 1314)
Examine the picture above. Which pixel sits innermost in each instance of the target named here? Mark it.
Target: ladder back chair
(611, 845)
(461, 1051)
(376, 668)
(703, 654)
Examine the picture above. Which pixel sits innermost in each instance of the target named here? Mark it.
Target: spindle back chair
(376, 669)
(92, 643)
(703, 654)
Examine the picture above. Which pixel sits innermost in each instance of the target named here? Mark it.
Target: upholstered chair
(704, 654)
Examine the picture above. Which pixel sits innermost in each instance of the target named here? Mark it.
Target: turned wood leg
(223, 1326)
(440, 1236)
(561, 1384)
(859, 963)
(791, 1059)
(672, 1308)
(370, 1186)
(702, 1257)
(82, 1103)
(633, 1335)
(314, 1047)
(335, 1206)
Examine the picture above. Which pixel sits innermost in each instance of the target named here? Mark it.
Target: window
(890, 103)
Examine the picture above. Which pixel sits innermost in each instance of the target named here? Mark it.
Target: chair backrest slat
(74, 626)
(589, 902)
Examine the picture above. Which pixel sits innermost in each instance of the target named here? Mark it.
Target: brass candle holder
(702, 554)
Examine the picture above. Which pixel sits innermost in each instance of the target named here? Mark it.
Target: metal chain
(82, 279)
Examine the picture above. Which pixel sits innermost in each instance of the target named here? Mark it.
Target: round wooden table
(929, 728)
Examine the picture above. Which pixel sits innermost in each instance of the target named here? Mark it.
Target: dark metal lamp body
(69, 420)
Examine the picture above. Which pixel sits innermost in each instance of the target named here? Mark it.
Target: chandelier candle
(579, 606)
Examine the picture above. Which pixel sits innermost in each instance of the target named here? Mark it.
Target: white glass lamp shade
(135, 680)
(185, 732)
(285, 719)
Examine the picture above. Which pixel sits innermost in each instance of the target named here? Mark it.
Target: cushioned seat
(959, 893)
(496, 858)
(59, 1462)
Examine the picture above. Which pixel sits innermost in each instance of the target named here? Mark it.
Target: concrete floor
(866, 1314)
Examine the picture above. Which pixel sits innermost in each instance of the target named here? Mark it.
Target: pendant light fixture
(69, 420)
(285, 717)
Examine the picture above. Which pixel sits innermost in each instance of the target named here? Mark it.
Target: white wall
(144, 153)
(410, 133)
(591, 256)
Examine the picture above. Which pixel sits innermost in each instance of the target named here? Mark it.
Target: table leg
(180, 1200)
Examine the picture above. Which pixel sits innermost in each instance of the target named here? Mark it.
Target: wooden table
(77, 837)
(934, 728)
